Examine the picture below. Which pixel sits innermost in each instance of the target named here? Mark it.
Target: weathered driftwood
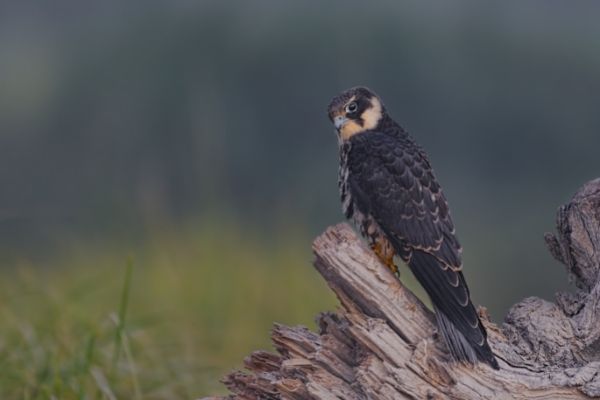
(382, 343)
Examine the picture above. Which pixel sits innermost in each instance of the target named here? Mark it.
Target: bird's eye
(352, 107)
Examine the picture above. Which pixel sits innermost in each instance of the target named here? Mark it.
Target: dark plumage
(389, 191)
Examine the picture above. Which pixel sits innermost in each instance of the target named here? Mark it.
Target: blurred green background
(190, 137)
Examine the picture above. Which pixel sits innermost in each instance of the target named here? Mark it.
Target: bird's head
(354, 111)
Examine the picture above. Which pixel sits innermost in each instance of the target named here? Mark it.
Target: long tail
(456, 316)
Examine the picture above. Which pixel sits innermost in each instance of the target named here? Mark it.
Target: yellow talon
(387, 258)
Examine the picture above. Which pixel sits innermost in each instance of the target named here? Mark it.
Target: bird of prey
(390, 193)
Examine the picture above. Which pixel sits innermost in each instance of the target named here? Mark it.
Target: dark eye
(352, 108)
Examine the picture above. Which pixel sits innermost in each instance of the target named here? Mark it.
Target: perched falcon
(388, 190)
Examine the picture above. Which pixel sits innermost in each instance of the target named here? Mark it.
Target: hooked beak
(339, 121)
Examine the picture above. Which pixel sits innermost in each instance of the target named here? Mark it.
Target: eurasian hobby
(389, 191)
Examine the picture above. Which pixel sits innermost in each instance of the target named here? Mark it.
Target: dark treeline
(117, 114)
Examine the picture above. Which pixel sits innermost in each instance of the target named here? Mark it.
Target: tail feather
(457, 318)
(460, 348)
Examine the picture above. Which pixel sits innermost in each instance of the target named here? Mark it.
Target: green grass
(163, 320)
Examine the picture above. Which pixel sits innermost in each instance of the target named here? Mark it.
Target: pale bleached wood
(382, 343)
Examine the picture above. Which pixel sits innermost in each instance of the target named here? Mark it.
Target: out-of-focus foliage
(194, 308)
(118, 119)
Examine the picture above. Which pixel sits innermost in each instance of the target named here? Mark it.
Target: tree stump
(382, 343)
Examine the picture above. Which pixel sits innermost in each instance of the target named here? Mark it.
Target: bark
(382, 343)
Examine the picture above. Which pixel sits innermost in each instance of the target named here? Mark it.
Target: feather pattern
(388, 189)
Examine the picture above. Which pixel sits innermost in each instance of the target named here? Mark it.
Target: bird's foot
(386, 257)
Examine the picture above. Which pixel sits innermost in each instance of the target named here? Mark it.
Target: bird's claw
(386, 259)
